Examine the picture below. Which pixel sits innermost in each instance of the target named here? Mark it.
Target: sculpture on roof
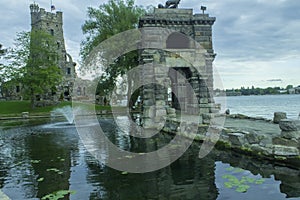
(170, 4)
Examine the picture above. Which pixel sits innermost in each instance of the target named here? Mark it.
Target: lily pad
(58, 195)
(242, 188)
(259, 181)
(40, 179)
(35, 161)
(240, 185)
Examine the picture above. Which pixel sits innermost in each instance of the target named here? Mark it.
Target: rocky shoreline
(258, 137)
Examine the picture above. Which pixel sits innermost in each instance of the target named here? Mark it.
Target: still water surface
(262, 106)
(36, 160)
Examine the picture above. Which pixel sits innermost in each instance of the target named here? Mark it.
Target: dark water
(262, 106)
(37, 160)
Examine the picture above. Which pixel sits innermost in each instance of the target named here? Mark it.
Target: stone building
(178, 43)
(52, 23)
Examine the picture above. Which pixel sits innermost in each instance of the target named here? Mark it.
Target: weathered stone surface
(149, 102)
(289, 125)
(286, 142)
(203, 100)
(290, 134)
(171, 112)
(279, 116)
(206, 118)
(25, 114)
(239, 116)
(262, 150)
(161, 112)
(265, 140)
(252, 138)
(280, 150)
(237, 139)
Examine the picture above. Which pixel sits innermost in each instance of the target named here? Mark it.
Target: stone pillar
(279, 116)
(154, 95)
(290, 129)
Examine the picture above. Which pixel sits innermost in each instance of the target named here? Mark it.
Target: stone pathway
(253, 126)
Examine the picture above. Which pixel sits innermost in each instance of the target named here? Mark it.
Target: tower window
(52, 32)
(68, 70)
(79, 91)
(58, 45)
(17, 88)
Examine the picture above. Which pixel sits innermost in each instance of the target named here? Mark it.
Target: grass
(15, 108)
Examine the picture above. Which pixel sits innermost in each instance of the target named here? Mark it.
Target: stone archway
(180, 94)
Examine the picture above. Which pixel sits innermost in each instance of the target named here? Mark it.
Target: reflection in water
(35, 161)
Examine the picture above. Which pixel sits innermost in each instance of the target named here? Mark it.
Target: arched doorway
(181, 95)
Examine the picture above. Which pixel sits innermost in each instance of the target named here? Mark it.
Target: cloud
(252, 38)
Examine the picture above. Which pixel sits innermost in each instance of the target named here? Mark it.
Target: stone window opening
(68, 70)
(52, 32)
(79, 91)
(18, 89)
(58, 45)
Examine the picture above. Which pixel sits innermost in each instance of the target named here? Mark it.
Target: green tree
(2, 51)
(2, 68)
(17, 57)
(109, 19)
(33, 63)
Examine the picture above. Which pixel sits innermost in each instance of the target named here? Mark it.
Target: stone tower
(52, 23)
(181, 41)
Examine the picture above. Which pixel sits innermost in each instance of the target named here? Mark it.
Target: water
(36, 161)
(67, 111)
(262, 106)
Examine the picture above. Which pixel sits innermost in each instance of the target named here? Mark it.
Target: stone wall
(283, 147)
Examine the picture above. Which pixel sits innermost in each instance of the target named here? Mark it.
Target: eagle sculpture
(170, 4)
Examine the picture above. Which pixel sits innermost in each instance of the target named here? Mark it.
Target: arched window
(79, 91)
(178, 41)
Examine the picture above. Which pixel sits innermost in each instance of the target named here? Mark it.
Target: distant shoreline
(256, 95)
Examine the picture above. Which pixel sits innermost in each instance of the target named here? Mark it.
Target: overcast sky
(257, 41)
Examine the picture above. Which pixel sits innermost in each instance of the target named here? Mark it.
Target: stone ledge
(279, 150)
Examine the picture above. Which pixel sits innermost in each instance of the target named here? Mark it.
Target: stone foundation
(282, 148)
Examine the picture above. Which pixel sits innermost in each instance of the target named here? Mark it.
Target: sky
(256, 41)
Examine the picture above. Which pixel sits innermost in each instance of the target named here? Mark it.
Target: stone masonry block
(280, 150)
(289, 125)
